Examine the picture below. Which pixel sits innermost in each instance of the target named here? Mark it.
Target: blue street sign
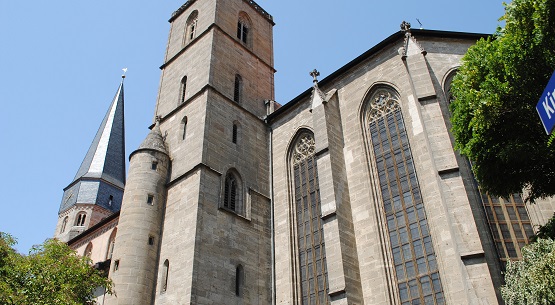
(546, 106)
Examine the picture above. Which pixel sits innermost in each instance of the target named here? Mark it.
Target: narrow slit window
(183, 128)
(237, 89)
(151, 240)
(234, 135)
(116, 265)
(150, 199)
(165, 274)
(154, 165)
(110, 200)
(239, 278)
(182, 90)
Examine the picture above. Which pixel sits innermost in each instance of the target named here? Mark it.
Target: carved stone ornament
(382, 103)
(303, 149)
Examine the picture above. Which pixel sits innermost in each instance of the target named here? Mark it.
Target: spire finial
(124, 71)
(315, 75)
(405, 26)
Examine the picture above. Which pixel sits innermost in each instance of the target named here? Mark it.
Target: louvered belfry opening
(230, 192)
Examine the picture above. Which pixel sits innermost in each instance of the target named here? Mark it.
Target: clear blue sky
(60, 65)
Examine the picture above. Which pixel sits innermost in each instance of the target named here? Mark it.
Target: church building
(351, 193)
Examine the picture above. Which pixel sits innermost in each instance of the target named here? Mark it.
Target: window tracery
(310, 245)
(415, 265)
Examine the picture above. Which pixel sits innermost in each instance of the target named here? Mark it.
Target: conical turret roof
(154, 140)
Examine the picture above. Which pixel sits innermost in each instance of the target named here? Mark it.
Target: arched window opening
(80, 220)
(165, 275)
(234, 134)
(182, 90)
(191, 30)
(243, 28)
(230, 192)
(111, 244)
(237, 89)
(507, 218)
(239, 280)
(313, 275)
(88, 250)
(183, 128)
(415, 265)
(64, 224)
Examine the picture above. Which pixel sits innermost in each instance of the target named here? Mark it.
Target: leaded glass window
(509, 224)
(414, 258)
(310, 236)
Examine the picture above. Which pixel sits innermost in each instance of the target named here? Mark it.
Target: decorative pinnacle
(124, 71)
(315, 75)
(405, 26)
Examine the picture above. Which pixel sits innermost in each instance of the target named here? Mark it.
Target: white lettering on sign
(549, 109)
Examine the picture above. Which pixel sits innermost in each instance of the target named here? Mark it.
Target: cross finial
(315, 75)
(405, 26)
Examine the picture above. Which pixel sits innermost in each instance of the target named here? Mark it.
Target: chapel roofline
(400, 35)
(252, 3)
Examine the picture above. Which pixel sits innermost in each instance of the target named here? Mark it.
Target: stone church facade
(351, 193)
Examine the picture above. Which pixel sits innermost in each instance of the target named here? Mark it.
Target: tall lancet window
(312, 273)
(237, 89)
(414, 258)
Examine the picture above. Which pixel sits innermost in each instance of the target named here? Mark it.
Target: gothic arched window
(243, 28)
(311, 254)
(413, 254)
(232, 192)
(64, 224)
(191, 28)
(88, 250)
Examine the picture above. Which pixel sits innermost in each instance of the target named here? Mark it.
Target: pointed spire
(106, 156)
(318, 97)
(154, 140)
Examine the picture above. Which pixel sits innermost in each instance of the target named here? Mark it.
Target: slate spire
(103, 168)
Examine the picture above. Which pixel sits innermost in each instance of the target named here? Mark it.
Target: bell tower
(214, 239)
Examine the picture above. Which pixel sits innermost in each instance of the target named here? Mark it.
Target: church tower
(97, 189)
(212, 241)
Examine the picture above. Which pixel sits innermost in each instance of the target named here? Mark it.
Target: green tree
(531, 280)
(495, 123)
(52, 273)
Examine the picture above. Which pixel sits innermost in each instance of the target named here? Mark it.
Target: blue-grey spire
(101, 177)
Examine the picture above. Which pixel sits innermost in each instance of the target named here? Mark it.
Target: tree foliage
(52, 273)
(495, 123)
(531, 280)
